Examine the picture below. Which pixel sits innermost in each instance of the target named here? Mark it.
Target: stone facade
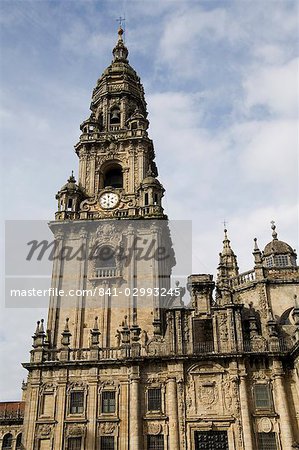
(128, 374)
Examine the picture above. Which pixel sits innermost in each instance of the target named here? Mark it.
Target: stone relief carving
(108, 427)
(44, 430)
(208, 394)
(260, 375)
(263, 306)
(258, 343)
(265, 425)
(77, 385)
(48, 387)
(153, 428)
(228, 395)
(75, 429)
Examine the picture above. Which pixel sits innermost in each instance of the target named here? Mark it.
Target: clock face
(109, 200)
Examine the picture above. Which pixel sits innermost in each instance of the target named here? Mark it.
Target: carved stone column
(172, 404)
(246, 422)
(134, 418)
(281, 402)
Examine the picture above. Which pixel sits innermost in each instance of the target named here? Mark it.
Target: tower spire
(228, 266)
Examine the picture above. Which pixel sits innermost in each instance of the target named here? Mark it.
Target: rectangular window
(107, 442)
(77, 402)
(155, 442)
(154, 399)
(267, 441)
(262, 396)
(108, 401)
(74, 443)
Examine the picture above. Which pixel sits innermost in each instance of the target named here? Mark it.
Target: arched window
(114, 177)
(7, 442)
(105, 257)
(19, 442)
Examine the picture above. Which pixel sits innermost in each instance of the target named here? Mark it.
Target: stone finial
(256, 247)
(95, 334)
(66, 334)
(39, 335)
(41, 327)
(72, 179)
(257, 253)
(273, 226)
(125, 332)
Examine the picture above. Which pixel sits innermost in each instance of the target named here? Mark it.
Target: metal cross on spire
(225, 224)
(120, 20)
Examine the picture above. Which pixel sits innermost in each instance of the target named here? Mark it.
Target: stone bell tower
(117, 172)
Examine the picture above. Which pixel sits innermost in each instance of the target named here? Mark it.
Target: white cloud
(274, 87)
(269, 154)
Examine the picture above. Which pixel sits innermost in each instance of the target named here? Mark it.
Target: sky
(220, 81)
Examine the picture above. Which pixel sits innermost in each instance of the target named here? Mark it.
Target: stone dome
(277, 247)
(150, 180)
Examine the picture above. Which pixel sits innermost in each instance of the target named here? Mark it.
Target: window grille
(154, 399)
(281, 260)
(74, 443)
(269, 261)
(107, 442)
(211, 440)
(108, 401)
(77, 402)
(262, 396)
(155, 442)
(267, 441)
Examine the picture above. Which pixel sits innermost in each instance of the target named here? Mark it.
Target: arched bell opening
(113, 176)
(114, 117)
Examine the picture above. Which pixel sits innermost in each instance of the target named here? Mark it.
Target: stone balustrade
(242, 279)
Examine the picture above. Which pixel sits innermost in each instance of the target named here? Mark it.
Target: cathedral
(126, 359)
